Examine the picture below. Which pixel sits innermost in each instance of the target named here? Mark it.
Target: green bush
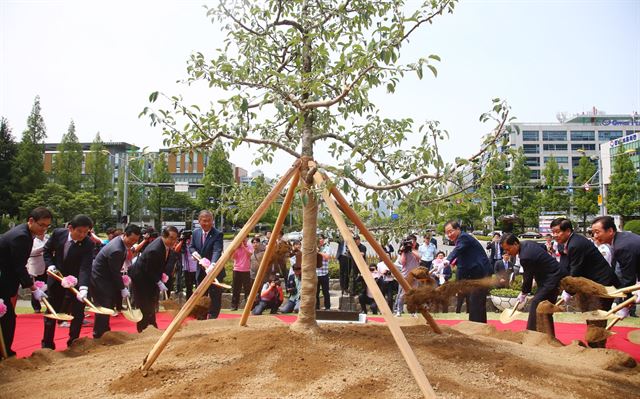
(633, 226)
(505, 292)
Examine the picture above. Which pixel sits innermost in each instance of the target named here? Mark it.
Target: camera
(185, 234)
(406, 246)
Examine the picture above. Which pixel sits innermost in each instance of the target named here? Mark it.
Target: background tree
(27, 171)
(298, 73)
(495, 173)
(525, 205)
(67, 165)
(8, 151)
(554, 198)
(241, 201)
(99, 178)
(585, 201)
(63, 203)
(160, 197)
(218, 177)
(623, 196)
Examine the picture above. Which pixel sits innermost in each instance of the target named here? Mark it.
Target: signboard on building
(182, 187)
(545, 220)
(624, 140)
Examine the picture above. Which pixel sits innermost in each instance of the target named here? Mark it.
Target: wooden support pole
(271, 247)
(353, 216)
(392, 323)
(3, 347)
(226, 255)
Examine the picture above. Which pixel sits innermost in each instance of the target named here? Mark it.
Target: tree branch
(345, 91)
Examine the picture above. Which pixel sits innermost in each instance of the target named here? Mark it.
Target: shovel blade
(101, 310)
(509, 315)
(634, 337)
(59, 316)
(133, 315)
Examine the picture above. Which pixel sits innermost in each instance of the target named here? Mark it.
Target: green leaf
(153, 96)
(433, 70)
(434, 57)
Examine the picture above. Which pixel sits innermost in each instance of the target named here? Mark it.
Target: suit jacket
(538, 264)
(499, 267)
(15, 248)
(491, 246)
(212, 248)
(105, 272)
(584, 260)
(472, 261)
(626, 253)
(78, 260)
(148, 269)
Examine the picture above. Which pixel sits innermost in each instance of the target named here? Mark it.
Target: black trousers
(8, 324)
(241, 281)
(103, 295)
(323, 283)
(58, 297)
(477, 305)
(542, 294)
(345, 272)
(189, 282)
(389, 290)
(214, 292)
(146, 298)
(365, 300)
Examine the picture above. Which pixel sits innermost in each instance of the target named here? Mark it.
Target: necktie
(204, 238)
(67, 245)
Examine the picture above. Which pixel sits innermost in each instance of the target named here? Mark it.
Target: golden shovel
(3, 347)
(53, 314)
(601, 314)
(92, 308)
(198, 257)
(634, 337)
(509, 315)
(131, 314)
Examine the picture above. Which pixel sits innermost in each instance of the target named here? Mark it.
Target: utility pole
(493, 220)
(125, 185)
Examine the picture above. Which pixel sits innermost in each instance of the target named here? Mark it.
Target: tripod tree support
(353, 216)
(208, 280)
(271, 246)
(396, 332)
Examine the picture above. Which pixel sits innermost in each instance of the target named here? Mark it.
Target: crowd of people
(72, 265)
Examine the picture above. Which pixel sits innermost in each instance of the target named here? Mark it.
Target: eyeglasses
(44, 226)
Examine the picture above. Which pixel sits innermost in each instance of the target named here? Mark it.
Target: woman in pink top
(241, 273)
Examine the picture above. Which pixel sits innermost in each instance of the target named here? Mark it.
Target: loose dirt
(217, 358)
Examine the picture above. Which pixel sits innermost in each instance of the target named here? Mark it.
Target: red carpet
(30, 327)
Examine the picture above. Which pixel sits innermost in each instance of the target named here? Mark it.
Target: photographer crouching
(270, 297)
(366, 296)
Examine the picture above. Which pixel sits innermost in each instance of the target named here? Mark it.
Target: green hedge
(633, 226)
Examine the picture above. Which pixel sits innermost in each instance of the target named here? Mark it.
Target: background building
(567, 141)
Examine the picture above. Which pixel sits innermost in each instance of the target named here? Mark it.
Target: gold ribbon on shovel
(92, 308)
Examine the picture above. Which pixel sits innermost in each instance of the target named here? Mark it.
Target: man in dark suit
(345, 264)
(15, 248)
(471, 264)
(69, 251)
(626, 252)
(207, 242)
(146, 275)
(495, 252)
(583, 259)
(538, 264)
(503, 270)
(106, 278)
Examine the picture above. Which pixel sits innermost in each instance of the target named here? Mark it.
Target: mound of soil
(217, 358)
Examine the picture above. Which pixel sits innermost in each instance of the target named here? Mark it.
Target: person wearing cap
(293, 287)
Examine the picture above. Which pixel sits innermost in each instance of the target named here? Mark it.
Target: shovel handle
(58, 276)
(622, 305)
(559, 302)
(49, 307)
(613, 323)
(3, 347)
(626, 289)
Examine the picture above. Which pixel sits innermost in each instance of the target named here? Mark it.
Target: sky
(96, 62)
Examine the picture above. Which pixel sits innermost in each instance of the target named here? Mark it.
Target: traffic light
(501, 187)
(543, 187)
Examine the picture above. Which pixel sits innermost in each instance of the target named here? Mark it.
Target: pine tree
(8, 151)
(585, 200)
(160, 197)
(623, 196)
(27, 172)
(554, 199)
(218, 177)
(99, 177)
(525, 201)
(67, 167)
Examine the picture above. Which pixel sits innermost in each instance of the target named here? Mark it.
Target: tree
(67, 165)
(8, 150)
(300, 73)
(525, 203)
(585, 200)
(27, 169)
(241, 201)
(622, 194)
(495, 173)
(99, 177)
(63, 203)
(160, 196)
(555, 197)
(218, 177)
